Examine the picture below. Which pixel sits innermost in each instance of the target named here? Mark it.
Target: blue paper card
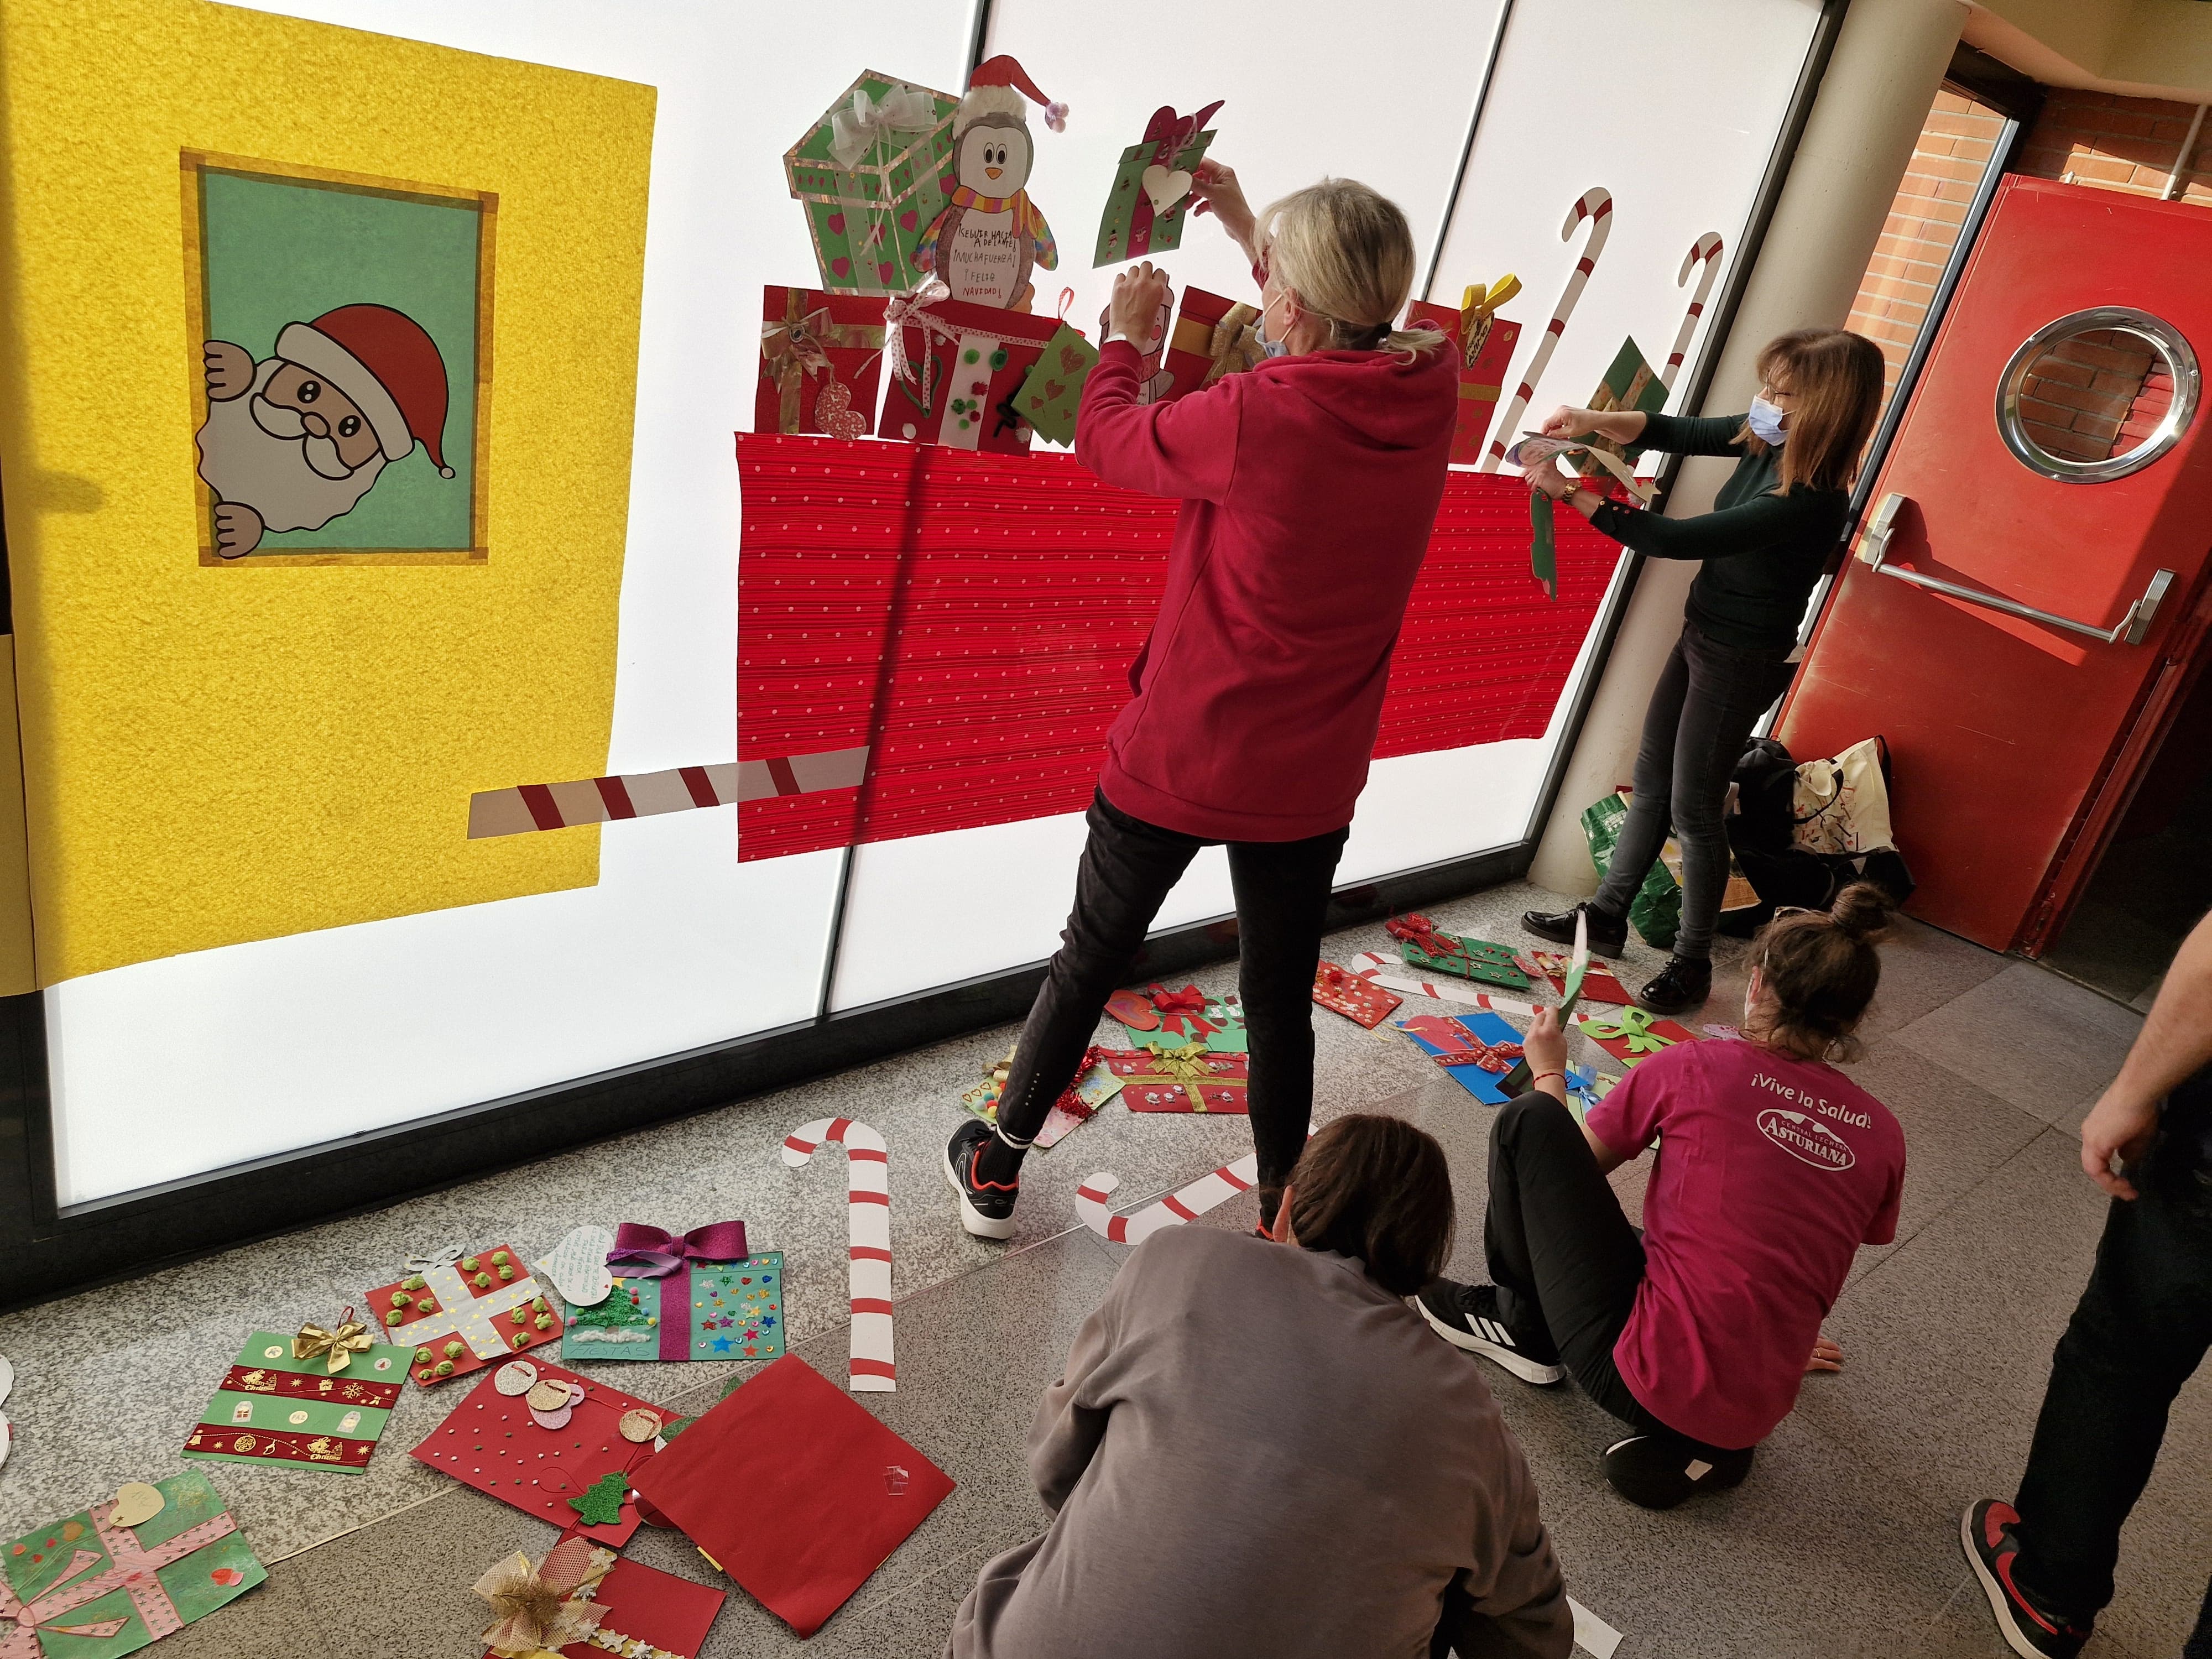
(1486, 1028)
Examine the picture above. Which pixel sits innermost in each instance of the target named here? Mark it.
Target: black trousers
(2140, 1330)
(1128, 867)
(1565, 1259)
(1702, 710)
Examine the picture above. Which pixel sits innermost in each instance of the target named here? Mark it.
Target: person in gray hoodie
(1256, 1447)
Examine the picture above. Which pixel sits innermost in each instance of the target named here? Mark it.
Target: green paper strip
(1543, 553)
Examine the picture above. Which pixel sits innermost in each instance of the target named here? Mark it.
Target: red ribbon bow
(1418, 931)
(643, 1252)
(1459, 1045)
(1182, 1012)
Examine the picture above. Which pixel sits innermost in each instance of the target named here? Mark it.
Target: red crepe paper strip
(982, 677)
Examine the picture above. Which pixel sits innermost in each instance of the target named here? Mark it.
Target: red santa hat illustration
(998, 87)
(385, 361)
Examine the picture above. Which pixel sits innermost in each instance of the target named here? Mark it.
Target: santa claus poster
(339, 321)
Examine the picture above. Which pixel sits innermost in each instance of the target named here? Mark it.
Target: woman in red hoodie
(1310, 486)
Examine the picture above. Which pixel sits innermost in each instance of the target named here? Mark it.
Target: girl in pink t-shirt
(1774, 1168)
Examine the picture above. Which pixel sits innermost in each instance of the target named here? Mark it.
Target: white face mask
(1766, 422)
(1272, 348)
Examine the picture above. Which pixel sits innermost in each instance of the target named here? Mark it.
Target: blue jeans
(1708, 698)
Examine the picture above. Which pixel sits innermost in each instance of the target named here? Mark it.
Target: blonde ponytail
(1347, 252)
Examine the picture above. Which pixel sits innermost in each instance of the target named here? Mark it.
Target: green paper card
(1483, 962)
(271, 1407)
(735, 1313)
(1127, 231)
(1049, 397)
(1630, 383)
(183, 1562)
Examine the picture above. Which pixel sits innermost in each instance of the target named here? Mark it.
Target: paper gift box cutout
(1187, 1080)
(954, 369)
(645, 1612)
(795, 1490)
(492, 1441)
(1094, 1084)
(869, 176)
(1423, 944)
(1484, 341)
(1633, 1035)
(1629, 383)
(822, 358)
(87, 1586)
(1171, 1019)
(481, 1306)
(1214, 337)
(1598, 985)
(724, 1311)
(1476, 1050)
(272, 1408)
(1145, 210)
(1343, 992)
(1052, 392)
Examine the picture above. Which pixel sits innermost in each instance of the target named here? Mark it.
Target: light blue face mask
(1766, 422)
(1272, 348)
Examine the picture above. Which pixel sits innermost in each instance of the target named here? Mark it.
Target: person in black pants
(1774, 1168)
(1774, 527)
(2141, 1330)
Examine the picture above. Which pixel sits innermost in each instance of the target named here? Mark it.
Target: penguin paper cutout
(990, 235)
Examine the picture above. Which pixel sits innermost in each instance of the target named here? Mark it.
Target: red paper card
(1639, 1034)
(645, 1604)
(1179, 1081)
(492, 1443)
(1342, 991)
(1598, 985)
(794, 1488)
(464, 1313)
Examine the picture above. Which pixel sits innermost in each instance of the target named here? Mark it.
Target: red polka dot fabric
(971, 619)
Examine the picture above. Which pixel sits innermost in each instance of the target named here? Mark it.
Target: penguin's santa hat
(998, 87)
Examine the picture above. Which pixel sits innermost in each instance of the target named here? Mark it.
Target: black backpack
(1780, 872)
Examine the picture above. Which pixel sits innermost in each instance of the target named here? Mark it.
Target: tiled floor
(1843, 1542)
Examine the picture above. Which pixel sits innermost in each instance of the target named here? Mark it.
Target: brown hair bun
(1818, 970)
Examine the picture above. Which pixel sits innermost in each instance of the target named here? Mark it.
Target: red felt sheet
(971, 619)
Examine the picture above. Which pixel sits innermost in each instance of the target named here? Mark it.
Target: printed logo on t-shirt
(1811, 1102)
(1807, 1140)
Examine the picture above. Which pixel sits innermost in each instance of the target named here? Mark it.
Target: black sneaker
(1467, 1317)
(1985, 1531)
(1678, 987)
(1658, 1472)
(987, 1208)
(1608, 935)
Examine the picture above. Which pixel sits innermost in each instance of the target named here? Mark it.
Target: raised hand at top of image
(1214, 191)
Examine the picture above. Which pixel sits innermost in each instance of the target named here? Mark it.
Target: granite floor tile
(1923, 968)
(2027, 1036)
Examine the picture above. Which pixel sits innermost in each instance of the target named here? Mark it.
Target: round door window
(2097, 395)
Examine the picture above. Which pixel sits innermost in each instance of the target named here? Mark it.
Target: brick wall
(2086, 394)
(1923, 227)
(2129, 144)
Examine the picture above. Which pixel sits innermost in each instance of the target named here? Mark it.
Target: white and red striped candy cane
(1208, 1192)
(1706, 249)
(1442, 991)
(1595, 206)
(868, 1221)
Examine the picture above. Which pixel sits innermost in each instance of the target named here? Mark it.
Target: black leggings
(1129, 868)
(1563, 1255)
(1708, 698)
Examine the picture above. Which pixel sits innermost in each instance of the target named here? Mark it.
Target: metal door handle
(1873, 548)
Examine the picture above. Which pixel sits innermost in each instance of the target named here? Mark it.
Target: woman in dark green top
(1773, 527)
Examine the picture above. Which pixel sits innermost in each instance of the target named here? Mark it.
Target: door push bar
(1873, 548)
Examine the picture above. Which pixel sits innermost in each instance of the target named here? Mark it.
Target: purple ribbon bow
(643, 1252)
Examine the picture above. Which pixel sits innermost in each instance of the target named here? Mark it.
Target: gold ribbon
(1477, 307)
(1234, 346)
(798, 346)
(1185, 1067)
(350, 1338)
(539, 1611)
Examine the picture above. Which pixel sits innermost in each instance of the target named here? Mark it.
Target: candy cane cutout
(1597, 206)
(1448, 991)
(1706, 248)
(868, 1221)
(1208, 1192)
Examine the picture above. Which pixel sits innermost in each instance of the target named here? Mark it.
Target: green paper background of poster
(280, 251)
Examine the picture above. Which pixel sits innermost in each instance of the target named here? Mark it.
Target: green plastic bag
(1655, 912)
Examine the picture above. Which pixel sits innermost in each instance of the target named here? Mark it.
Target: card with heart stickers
(1049, 397)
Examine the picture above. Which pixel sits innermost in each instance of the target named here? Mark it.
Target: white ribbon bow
(903, 109)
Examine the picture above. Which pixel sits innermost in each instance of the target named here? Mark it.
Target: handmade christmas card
(1094, 1084)
(1214, 337)
(1629, 383)
(457, 1310)
(1476, 1050)
(1191, 1078)
(282, 1402)
(1484, 342)
(129, 1570)
(821, 357)
(555, 1445)
(1145, 210)
(1599, 985)
(990, 236)
(795, 1490)
(722, 1310)
(1161, 1018)
(1343, 992)
(955, 369)
(1423, 945)
(1633, 1034)
(584, 1600)
(1052, 392)
(868, 176)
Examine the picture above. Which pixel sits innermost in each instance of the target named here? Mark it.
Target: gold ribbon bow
(1476, 309)
(350, 1338)
(1234, 346)
(1186, 1067)
(793, 350)
(539, 1611)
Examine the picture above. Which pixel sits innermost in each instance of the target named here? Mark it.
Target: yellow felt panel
(17, 971)
(218, 754)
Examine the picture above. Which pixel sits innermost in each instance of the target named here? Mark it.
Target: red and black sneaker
(987, 1208)
(1985, 1531)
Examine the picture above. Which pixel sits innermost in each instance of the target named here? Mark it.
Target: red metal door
(2033, 546)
